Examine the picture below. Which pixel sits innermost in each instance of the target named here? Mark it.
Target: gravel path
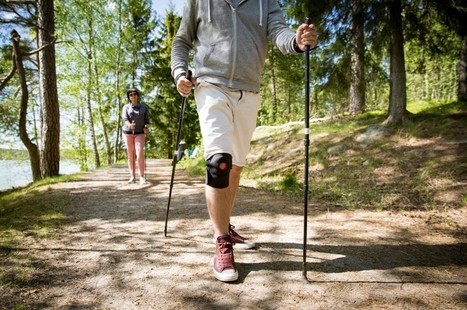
(112, 253)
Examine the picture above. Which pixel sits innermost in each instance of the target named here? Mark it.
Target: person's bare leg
(220, 202)
(139, 149)
(130, 147)
(234, 183)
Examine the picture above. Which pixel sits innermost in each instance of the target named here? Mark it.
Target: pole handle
(308, 22)
(308, 48)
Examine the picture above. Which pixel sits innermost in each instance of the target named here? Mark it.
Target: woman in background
(135, 128)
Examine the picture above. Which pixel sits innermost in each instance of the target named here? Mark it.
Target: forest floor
(110, 252)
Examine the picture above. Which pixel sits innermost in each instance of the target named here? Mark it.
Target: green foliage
(13, 154)
(195, 166)
(289, 183)
(10, 95)
(105, 47)
(282, 88)
(166, 110)
(464, 198)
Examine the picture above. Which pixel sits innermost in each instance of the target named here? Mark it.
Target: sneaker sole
(225, 277)
(241, 245)
(244, 246)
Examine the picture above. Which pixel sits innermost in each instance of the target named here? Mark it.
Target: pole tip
(305, 278)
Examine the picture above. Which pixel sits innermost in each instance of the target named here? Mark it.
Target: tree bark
(89, 95)
(91, 117)
(100, 112)
(33, 150)
(462, 73)
(397, 114)
(357, 46)
(82, 146)
(274, 86)
(50, 127)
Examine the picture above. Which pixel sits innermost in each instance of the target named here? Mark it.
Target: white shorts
(227, 119)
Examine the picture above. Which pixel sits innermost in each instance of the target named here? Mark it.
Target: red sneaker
(239, 241)
(224, 263)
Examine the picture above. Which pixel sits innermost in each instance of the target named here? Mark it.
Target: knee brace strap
(218, 169)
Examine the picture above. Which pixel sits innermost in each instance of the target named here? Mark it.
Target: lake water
(17, 173)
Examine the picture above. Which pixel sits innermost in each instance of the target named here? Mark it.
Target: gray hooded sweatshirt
(230, 41)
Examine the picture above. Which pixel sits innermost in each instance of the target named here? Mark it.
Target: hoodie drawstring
(209, 11)
(260, 13)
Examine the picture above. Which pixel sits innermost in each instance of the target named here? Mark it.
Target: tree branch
(41, 48)
(8, 77)
(19, 2)
(12, 72)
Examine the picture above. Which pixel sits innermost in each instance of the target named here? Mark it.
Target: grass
(27, 216)
(23, 215)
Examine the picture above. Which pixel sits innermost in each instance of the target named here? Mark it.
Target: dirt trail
(112, 253)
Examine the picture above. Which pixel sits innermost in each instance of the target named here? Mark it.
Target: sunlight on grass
(416, 107)
(434, 106)
(58, 179)
(22, 214)
(17, 270)
(9, 236)
(464, 198)
(195, 166)
(28, 214)
(394, 173)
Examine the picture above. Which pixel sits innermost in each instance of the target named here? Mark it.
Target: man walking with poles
(135, 117)
(230, 38)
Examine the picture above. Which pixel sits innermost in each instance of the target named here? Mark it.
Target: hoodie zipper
(234, 54)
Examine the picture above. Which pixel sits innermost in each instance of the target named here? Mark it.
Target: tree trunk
(50, 127)
(97, 161)
(357, 84)
(89, 94)
(100, 113)
(397, 114)
(82, 147)
(170, 151)
(462, 73)
(274, 84)
(118, 87)
(315, 107)
(33, 150)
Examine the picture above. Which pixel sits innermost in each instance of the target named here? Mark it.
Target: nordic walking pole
(145, 137)
(134, 147)
(307, 146)
(144, 148)
(175, 158)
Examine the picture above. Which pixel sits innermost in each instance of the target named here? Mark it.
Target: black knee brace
(215, 176)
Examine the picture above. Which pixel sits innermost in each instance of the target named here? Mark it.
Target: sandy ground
(112, 253)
